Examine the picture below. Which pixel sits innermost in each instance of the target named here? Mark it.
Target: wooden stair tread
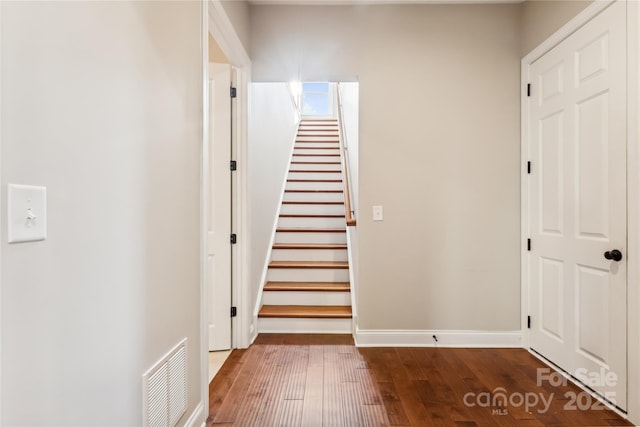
(306, 311)
(287, 202)
(312, 216)
(314, 180)
(309, 246)
(307, 286)
(315, 171)
(316, 155)
(310, 264)
(315, 163)
(311, 230)
(316, 148)
(313, 191)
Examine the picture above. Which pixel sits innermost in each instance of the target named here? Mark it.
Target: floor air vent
(165, 389)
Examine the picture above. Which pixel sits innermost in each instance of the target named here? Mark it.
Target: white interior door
(219, 248)
(577, 134)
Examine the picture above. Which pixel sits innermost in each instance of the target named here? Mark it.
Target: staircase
(307, 287)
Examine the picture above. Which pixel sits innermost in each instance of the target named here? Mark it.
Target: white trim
(633, 212)
(241, 324)
(1, 212)
(633, 188)
(220, 27)
(204, 207)
(222, 30)
(524, 203)
(353, 286)
(446, 339)
(195, 417)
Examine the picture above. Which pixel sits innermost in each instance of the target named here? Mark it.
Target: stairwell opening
(307, 284)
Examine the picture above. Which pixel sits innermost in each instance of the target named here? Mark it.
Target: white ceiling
(376, 2)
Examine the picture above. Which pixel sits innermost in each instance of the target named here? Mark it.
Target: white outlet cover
(27, 216)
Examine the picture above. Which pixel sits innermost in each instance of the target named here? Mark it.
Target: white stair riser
(309, 164)
(303, 141)
(327, 148)
(306, 222)
(309, 255)
(314, 185)
(315, 150)
(316, 158)
(307, 275)
(311, 237)
(317, 129)
(315, 175)
(324, 134)
(313, 197)
(306, 298)
(300, 326)
(323, 137)
(311, 128)
(316, 123)
(313, 209)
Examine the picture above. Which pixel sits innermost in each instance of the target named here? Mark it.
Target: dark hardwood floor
(324, 380)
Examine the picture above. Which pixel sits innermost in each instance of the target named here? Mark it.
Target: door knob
(614, 255)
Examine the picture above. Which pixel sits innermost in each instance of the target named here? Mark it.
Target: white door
(219, 248)
(577, 135)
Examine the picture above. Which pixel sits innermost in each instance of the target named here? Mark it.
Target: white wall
(238, 13)
(273, 124)
(102, 105)
(541, 18)
(349, 96)
(439, 149)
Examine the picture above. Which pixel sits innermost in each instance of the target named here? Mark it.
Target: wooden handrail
(351, 221)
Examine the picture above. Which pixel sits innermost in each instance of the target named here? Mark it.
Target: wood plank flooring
(324, 380)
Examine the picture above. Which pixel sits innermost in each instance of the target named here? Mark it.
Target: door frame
(633, 187)
(1, 237)
(216, 22)
(224, 34)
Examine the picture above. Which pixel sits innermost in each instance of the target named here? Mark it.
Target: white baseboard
(197, 415)
(422, 338)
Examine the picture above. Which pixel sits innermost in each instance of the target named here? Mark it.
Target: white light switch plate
(27, 216)
(378, 213)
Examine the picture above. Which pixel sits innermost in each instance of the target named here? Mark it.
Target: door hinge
(233, 165)
(529, 167)
(234, 311)
(233, 92)
(234, 239)
(528, 322)
(529, 244)
(528, 89)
